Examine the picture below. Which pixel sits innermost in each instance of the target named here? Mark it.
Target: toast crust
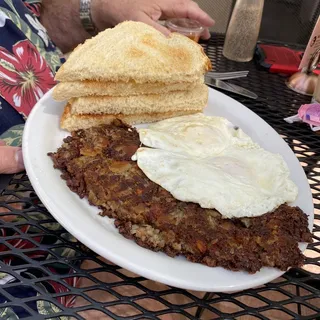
(72, 122)
(76, 89)
(139, 52)
(196, 98)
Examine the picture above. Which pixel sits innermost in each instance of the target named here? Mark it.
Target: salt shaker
(243, 30)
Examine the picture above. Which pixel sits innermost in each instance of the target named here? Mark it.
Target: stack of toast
(134, 73)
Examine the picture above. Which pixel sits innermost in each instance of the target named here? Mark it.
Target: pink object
(308, 113)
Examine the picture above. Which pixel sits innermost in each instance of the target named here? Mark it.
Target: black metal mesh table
(106, 291)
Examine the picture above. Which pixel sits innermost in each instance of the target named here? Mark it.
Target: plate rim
(83, 238)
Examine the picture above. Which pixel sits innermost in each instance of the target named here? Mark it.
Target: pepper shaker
(243, 30)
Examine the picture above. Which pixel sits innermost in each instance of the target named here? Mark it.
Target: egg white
(206, 160)
(239, 183)
(196, 135)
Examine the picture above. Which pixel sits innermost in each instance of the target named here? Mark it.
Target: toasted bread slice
(136, 51)
(74, 89)
(72, 122)
(195, 99)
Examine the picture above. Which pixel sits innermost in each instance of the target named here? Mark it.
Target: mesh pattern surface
(106, 291)
(289, 21)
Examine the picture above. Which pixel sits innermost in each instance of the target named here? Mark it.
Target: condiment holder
(305, 81)
(189, 28)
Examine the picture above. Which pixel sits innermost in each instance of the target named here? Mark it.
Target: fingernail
(19, 158)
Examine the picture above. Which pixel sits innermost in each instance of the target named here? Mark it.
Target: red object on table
(277, 59)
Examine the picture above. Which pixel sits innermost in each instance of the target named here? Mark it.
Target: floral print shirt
(28, 60)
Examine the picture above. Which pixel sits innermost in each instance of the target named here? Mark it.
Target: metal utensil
(217, 83)
(227, 75)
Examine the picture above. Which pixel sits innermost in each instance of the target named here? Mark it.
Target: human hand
(11, 160)
(108, 13)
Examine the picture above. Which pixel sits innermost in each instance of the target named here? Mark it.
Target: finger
(206, 34)
(146, 19)
(187, 9)
(2, 143)
(194, 12)
(11, 160)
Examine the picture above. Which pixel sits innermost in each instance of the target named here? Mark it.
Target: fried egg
(206, 160)
(196, 135)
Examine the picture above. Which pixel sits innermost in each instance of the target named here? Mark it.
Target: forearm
(61, 17)
(62, 21)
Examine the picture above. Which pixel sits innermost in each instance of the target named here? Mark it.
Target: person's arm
(62, 21)
(11, 160)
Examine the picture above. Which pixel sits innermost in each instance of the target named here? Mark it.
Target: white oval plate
(42, 135)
